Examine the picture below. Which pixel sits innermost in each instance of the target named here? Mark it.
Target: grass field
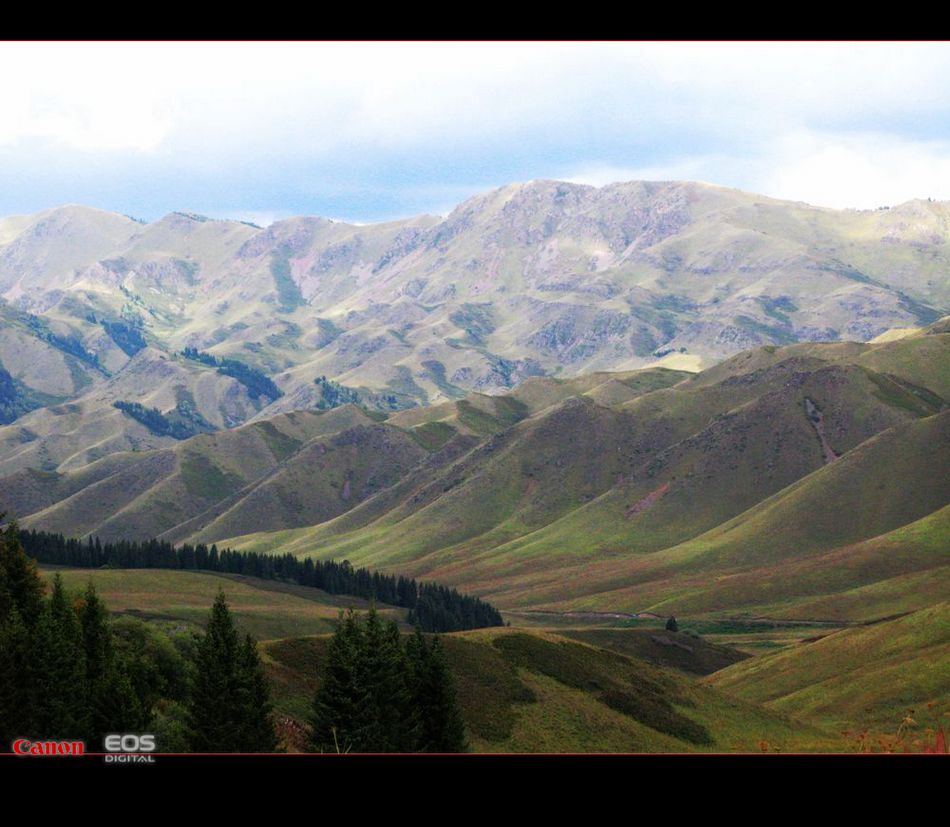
(263, 608)
(540, 692)
(862, 677)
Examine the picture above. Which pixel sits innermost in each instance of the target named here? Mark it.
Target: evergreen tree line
(254, 380)
(432, 607)
(67, 672)
(157, 422)
(380, 695)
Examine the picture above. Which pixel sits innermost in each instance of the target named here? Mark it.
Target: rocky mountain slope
(543, 278)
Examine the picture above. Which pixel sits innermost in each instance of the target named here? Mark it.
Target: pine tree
(21, 604)
(334, 721)
(20, 584)
(230, 702)
(59, 673)
(258, 730)
(16, 684)
(441, 728)
(113, 705)
(382, 671)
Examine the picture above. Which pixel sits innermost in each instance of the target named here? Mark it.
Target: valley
(598, 409)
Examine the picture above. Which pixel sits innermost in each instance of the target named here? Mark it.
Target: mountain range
(538, 279)
(799, 481)
(597, 408)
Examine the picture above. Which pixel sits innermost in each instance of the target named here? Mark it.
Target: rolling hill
(797, 482)
(877, 675)
(537, 279)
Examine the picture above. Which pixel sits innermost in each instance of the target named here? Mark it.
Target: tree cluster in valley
(69, 671)
(434, 607)
(380, 695)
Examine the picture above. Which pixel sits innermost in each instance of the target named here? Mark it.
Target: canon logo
(23, 746)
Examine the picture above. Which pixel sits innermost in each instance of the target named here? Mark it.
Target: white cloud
(830, 123)
(208, 96)
(863, 171)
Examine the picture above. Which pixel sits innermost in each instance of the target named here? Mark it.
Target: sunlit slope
(872, 675)
(146, 494)
(638, 503)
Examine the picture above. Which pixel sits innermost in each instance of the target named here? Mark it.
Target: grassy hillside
(794, 483)
(741, 489)
(873, 676)
(263, 608)
(151, 493)
(538, 692)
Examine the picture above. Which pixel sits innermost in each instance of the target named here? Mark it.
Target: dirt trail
(817, 420)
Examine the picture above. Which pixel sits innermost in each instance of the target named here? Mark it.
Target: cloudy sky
(366, 132)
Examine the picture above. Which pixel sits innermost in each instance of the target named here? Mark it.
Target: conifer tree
(335, 725)
(441, 728)
(59, 672)
(113, 705)
(21, 603)
(16, 684)
(20, 584)
(382, 670)
(230, 703)
(258, 733)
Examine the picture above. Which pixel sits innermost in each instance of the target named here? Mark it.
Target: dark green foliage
(112, 703)
(230, 702)
(476, 320)
(440, 727)
(126, 335)
(490, 689)
(280, 444)
(199, 356)
(256, 382)
(694, 656)
(779, 334)
(10, 407)
(16, 682)
(334, 723)
(21, 588)
(71, 344)
(156, 668)
(892, 390)
(59, 670)
(436, 371)
(170, 726)
(656, 713)
(924, 313)
(672, 625)
(435, 608)
(66, 671)
(182, 424)
(333, 394)
(257, 729)
(327, 332)
(17, 399)
(378, 696)
(187, 418)
(778, 308)
(432, 435)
